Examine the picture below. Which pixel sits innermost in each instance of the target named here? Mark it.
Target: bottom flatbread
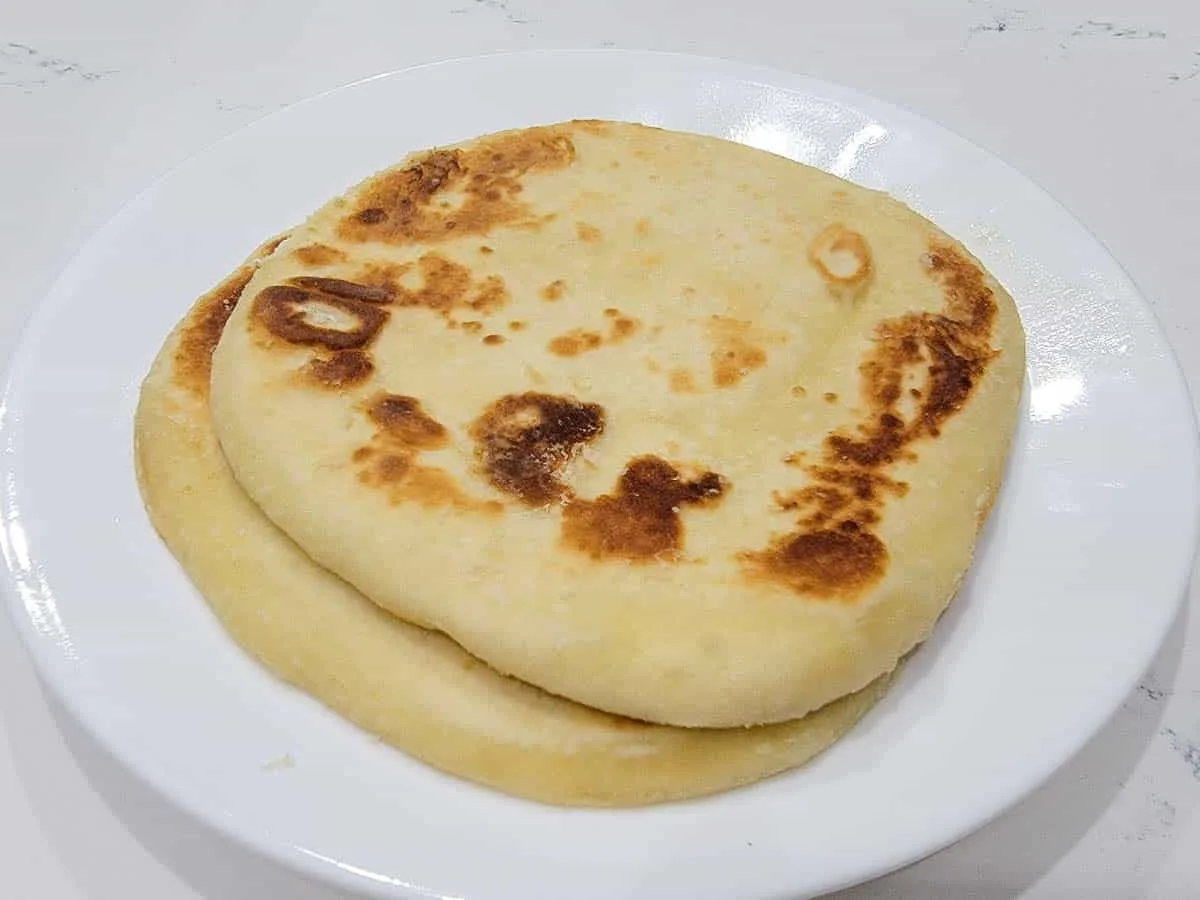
(416, 689)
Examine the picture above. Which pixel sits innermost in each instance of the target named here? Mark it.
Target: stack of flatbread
(597, 463)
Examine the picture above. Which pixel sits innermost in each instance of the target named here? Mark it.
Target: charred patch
(192, 365)
(640, 521)
(391, 462)
(343, 369)
(444, 286)
(318, 255)
(193, 358)
(446, 194)
(404, 420)
(833, 551)
(313, 318)
(348, 290)
(581, 340)
(525, 441)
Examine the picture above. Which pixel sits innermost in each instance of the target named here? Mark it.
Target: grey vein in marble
(1005, 20)
(500, 5)
(1188, 749)
(1165, 809)
(1178, 77)
(224, 106)
(26, 67)
(1094, 27)
(1092, 32)
(1151, 693)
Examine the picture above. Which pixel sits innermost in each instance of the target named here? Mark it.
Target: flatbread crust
(660, 423)
(415, 688)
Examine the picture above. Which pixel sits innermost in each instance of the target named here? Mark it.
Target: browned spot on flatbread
(294, 314)
(343, 369)
(831, 397)
(404, 420)
(493, 340)
(432, 487)
(404, 481)
(833, 551)
(837, 491)
(554, 290)
(287, 312)
(640, 520)
(199, 338)
(582, 340)
(525, 441)
(349, 290)
(589, 234)
(393, 468)
(482, 185)
(269, 247)
(622, 327)
(575, 342)
(842, 258)
(192, 365)
(319, 255)
(596, 127)
(826, 562)
(490, 296)
(642, 228)
(681, 381)
(736, 351)
(516, 325)
(443, 285)
(391, 462)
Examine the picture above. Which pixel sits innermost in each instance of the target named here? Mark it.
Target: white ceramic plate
(1078, 576)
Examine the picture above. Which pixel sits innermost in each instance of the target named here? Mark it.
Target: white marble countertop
(1098, 100)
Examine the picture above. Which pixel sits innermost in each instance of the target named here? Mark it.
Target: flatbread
(663, 424)
(415, 688)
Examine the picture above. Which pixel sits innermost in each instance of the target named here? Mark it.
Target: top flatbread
(666, 425)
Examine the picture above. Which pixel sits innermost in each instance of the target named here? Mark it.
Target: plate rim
(56, 677)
